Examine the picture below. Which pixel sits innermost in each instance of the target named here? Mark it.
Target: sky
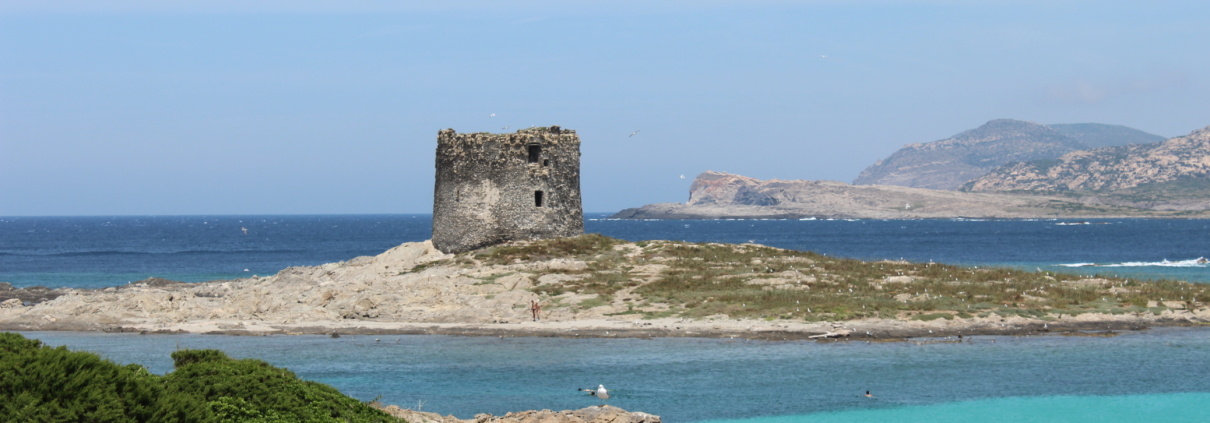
(306, 107)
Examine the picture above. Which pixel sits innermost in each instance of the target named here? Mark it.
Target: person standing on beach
(536, 309)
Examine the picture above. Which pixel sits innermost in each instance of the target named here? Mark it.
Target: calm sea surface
(1160, 375)
(106, 251)
(1157, 375)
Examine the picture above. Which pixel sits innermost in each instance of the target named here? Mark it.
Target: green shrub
(933, 316)
(253, 390)
(40, 383)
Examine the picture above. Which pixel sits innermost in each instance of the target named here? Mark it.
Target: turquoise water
(1041, 378)
(1171, 408)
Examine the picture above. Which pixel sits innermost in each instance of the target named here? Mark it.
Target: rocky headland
(1170, 175)
(717, 195)
(948, 164)
(593, 286)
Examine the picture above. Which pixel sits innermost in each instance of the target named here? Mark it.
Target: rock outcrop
(403, 284)
(1107, 169)
(594, 414)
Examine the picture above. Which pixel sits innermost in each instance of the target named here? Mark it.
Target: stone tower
(493, 188)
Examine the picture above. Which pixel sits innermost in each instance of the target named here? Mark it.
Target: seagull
(633, 133)
(492, 115)
(600, 392)
(682, 176)
(505, 128)
(246, 229)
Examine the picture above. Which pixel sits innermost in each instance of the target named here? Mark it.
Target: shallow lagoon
(1040, 378)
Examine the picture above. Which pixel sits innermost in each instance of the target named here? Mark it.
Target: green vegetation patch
(40, 383)
(699, 280)
(578, 246)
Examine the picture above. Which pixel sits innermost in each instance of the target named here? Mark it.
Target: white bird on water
(600, 392)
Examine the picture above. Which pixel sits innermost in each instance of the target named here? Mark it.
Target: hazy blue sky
(217, 107)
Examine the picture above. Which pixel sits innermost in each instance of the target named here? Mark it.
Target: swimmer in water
(868, 395)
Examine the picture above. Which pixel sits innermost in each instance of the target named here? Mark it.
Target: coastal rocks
(413, 416)
(33, 294)
(516, 281)
(594, 414)
(402, 284)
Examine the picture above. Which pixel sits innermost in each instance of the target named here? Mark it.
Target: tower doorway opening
(535, 153)
(538, 198)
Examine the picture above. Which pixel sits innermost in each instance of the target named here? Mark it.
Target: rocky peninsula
(720, 195)
(594, 286)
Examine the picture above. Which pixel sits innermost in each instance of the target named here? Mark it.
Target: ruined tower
(493, 188)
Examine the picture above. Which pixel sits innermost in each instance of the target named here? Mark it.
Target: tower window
(535, 153)
(545, 162)
(538, 198)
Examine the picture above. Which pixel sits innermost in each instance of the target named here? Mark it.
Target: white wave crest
(1197, 262)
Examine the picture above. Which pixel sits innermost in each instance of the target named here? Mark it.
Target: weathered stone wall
(486, 187)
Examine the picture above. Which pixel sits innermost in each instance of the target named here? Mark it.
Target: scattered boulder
(11, 303)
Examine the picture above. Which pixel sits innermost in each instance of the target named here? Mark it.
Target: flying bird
(492, 115)
(245, 230)
(505, 128)
(600, 392)
(633, 134)
(682, 176)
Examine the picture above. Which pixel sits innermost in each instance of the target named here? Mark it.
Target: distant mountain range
(950, 163)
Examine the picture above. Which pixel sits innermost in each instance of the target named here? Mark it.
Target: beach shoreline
(882, 330)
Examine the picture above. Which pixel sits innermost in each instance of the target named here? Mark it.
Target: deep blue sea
(1159, 375)
(91, 252)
